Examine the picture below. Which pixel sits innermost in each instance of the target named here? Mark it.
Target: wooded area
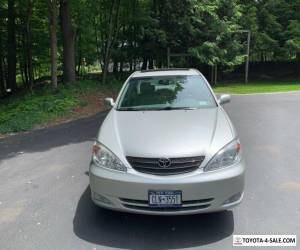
(39, 39)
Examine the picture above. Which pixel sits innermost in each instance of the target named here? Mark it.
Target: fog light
(233, 198)
(102, 199)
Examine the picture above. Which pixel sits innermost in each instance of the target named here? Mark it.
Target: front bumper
(202, 192)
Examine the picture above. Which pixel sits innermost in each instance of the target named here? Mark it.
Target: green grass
(257, 87)
(25, 111)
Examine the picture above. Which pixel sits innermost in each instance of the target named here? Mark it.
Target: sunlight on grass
(257, 87)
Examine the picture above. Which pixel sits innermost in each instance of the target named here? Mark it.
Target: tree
(2, 87)
(130, 34)
(29, 43)
(52, 6)
(11, 46)
(109, 37)
(68, 38)
(2, 75)
(214, 28)
(87, 44)
(25, 12)
(292, 34)
(274, 28)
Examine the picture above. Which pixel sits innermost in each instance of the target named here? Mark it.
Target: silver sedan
(167, 147)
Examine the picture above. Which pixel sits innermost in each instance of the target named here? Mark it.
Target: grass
(26, 111)
(258, 87)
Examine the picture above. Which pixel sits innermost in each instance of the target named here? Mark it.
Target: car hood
(167, 133)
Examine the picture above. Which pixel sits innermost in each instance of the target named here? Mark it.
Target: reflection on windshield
(166, 93)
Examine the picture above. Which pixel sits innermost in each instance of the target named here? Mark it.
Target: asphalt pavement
(45, 199)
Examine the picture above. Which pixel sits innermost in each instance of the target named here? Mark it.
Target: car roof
(165, 72)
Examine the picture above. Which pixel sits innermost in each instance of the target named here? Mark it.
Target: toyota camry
(167, 147)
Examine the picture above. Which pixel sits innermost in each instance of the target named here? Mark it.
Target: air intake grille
(173, 166)
(187, 205)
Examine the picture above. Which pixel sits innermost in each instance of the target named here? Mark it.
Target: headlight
(103, 157)
(227, 156)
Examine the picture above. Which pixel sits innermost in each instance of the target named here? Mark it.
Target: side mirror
(109, 102)
(224, 99)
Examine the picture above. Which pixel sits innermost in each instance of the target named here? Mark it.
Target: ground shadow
(130, 231)
(41, 140)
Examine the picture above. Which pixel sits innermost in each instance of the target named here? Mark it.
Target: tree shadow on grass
(131, 231)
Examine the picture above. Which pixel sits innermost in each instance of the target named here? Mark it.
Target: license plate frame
(165, 198)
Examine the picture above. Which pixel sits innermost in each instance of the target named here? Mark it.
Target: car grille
(188, 205)
(177, 165)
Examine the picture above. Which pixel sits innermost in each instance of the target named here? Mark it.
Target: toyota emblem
(164, 162)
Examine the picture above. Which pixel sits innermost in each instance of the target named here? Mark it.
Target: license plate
(164, 198)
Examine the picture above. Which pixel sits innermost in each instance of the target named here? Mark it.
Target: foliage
(125, 35)
(129, 34)
(25, 111)
(220, 22)
(275, 28)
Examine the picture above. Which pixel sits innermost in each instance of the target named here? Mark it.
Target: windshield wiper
(130, 109)
(155, 109)
(176, 108)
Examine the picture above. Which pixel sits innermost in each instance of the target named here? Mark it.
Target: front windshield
(166, 92)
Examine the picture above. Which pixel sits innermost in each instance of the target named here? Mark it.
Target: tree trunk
(68, 38)
(23, 64)
(151, 63)
(131, 65)
(29, 45)
(23, 71)
(53, 26)
(145, 62)
(212, 74)
(108, 47)
(121, 66)
(2, 86)
(111, 36)
(79, 55)
(79, 64)
(115, 68)
(216, 75)
(11, 46)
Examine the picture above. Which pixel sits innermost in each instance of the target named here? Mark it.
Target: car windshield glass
(165, 93)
